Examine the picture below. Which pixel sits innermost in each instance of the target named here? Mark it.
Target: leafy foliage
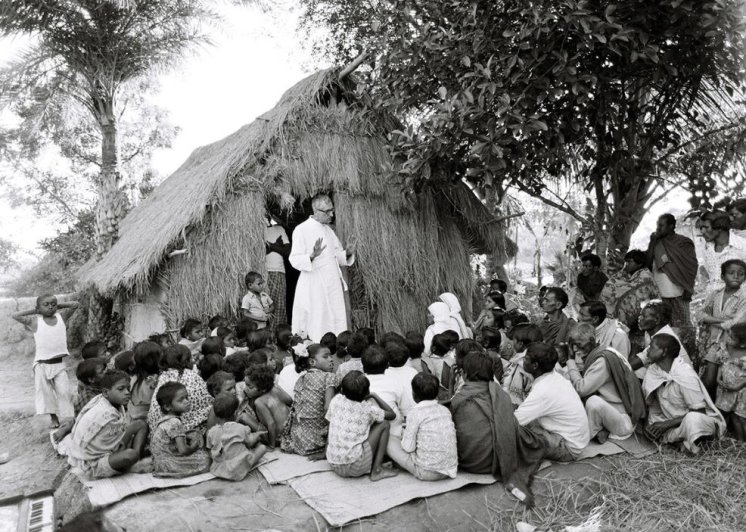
(7, 254)
(613, 96)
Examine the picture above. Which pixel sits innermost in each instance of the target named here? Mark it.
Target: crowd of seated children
(234, 448)
(358, 430)
(306, 431)
(177, 451)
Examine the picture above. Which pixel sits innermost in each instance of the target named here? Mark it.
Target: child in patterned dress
(731, 392)
(174, 454)
(234, 448)
(307, 428)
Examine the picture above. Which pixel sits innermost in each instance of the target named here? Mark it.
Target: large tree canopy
(618, 97)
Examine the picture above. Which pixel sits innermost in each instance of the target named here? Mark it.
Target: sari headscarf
(442, 322)
(455, 312)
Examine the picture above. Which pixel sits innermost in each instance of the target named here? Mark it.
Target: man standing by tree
(673, 261)
(319, 305)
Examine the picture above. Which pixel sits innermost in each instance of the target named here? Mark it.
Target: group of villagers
(494, 395)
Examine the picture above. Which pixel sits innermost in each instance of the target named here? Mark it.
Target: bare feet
(55, 424)
(602, 436)
(382, 473)
(315, 457)
(255, 437)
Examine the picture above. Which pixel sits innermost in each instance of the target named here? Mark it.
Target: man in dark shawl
(591, 280)
(612, 393)
(555, 326)
(673, 261)
(489, 439)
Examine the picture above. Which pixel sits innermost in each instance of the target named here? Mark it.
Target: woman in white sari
(455, 312)
(440, 320)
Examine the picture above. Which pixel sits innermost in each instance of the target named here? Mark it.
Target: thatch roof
(321, 136)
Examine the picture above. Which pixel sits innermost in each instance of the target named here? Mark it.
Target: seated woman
(488, 438)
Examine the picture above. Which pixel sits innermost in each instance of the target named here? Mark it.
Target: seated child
(213, 346)
(95, 349)
(516, 381)
(260, 339)
(175, 455)
(723, 309)
(397, 355)
(427, 448)
(441, 354)
(731, 393)
(416, 346)
(307, 428)
(209, 365)
(386, 387)
(147, 366)
(288, 375)
(341, 355)
(358, 343)
(243, 328)
(358, 430)
(256, 305)
(490, 338)
(215, 323)
(123, 361)
(229, 339)
(234, 449)
(103, 443)
(219, 382)
(329, 340)
(192, 335)
(553, 407)
(680, 408)
(163, 339)
(369, 334)
(89, 373)
(283, 354)
(272, 406)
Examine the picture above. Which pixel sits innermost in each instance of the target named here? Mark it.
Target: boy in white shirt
(553, 407)
(256, 304)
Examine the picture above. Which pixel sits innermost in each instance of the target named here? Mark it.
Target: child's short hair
(260, 357)
(669, 344)
(304, 363)
(216, 321)
(236, 364)
(501, 285)
(213, 346)
(355, 386)
(358, 343)
(732, 262)
(464, 347)
(343, 340)
(177, 357)
(209, 365)
(258, 339)
(147, 359)
(93, 349)
(738, 332)
(425, 386)
(452, 336)
(188, 326)
(374, 360)
(497, 298)
(543, 355)
(225, 406)
(415, 343)
(491, 338)
(396, 353)
(440, 345)
(216, 381)
(222, 332)
(594, 259)
(111, 377)
(87, 369)
(42, 297)
(283, 338)
(262, 377)
(391, 336)
(329, 340)
(162, 339)
(369, 333)
(515, 317)
(251, 278)
(244, 327)
(527, 333)
(478, 367)
(166, 393)
(125, 361)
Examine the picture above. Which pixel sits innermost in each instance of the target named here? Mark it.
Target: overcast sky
(256, 56)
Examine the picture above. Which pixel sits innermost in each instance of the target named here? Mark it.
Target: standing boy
(52, 388)
(256, 304)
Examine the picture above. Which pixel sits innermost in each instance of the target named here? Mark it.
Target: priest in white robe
(319, 305)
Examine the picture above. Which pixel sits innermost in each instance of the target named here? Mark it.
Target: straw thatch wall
(319, 138)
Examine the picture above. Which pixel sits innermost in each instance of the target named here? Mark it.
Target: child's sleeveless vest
(51, 340)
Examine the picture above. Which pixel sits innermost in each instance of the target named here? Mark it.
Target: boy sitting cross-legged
(271, 404)
(427, 448)
(358, 430)
(103, 442)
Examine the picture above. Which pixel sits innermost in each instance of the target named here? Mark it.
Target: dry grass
(666, 491)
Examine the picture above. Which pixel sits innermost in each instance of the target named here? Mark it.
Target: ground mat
(637, 445)
(342, 500)
(281, 467)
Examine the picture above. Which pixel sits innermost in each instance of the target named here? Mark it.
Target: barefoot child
(175, 455)
(235, 450)
(52, 388)
(731, 393)
(307, 428)
(103, 443)
(272, 406)
(256, 305)
(358, 430)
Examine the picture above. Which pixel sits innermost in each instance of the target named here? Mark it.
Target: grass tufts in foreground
(665, 491)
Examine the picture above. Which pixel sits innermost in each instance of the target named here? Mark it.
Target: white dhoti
(695, 425)
(52, 390)
(604, 415)
(319, 305)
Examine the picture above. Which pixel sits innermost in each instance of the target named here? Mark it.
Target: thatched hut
(320, 137)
